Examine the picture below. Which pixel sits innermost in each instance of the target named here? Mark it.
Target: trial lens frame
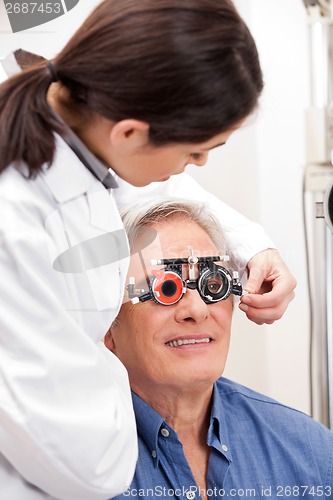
(166, 286)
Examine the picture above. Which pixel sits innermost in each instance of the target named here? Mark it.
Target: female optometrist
(141, 90)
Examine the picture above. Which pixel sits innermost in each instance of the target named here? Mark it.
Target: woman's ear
(130, 132)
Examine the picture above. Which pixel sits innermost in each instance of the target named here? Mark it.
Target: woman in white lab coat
(145, 88)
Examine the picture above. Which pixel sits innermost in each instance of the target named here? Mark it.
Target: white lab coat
(66, 419)
(67, 428)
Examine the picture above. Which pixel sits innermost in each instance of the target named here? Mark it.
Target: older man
(201, 435)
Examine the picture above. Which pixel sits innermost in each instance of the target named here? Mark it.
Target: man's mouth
(180, 342)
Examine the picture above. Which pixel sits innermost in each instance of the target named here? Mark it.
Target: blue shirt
(259, 449)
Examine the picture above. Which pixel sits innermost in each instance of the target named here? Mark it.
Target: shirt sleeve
(66, 420)
(244, 238)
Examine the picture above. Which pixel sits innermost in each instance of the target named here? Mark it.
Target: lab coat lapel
(68, 179)
(90, 241)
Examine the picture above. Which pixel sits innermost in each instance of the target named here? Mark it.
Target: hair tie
(52, 71)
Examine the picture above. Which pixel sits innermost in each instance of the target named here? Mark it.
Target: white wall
(259, 172)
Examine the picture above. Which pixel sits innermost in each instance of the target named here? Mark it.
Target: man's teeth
(177, 343)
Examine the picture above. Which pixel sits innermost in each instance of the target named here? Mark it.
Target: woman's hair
(137, 217)
(189, 68)
(25, 59)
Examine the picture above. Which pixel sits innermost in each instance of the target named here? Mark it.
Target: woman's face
(146, 336)
(145, 164)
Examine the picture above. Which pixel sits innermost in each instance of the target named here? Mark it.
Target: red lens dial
(167, 287)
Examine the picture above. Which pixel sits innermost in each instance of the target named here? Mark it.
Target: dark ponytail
(26, 59)
(27, 121)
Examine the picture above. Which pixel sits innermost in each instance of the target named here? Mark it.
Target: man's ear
(109, 341)
(130, 132)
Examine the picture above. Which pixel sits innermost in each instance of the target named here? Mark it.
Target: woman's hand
(270, 285)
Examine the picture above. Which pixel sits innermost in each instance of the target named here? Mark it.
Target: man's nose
(191, 308)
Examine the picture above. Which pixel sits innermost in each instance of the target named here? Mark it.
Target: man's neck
(186, 411)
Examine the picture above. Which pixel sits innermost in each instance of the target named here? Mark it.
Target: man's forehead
(141, 261)
(159, 250)
(157, 245)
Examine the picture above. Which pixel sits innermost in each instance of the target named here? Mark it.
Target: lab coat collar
(3, 74)
(89, 160)
(10, 66)
(68, 178)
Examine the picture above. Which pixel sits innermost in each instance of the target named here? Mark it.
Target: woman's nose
(198, 160)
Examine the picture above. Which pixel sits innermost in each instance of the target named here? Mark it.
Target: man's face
(146, 336)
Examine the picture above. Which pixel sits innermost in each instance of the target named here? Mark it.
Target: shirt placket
(217, 471)
(181, 482)
(219, 461)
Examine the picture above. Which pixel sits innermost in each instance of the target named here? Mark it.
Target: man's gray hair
(159, 210)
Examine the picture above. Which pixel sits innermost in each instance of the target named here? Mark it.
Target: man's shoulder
(257, 406)
(227, 387)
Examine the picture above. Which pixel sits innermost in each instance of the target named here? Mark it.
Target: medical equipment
(318, 207)
(166, 286)
(328, 206)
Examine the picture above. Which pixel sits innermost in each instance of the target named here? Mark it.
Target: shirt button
(165, 432)
(154, 454)
(190, 495)
(224, 447)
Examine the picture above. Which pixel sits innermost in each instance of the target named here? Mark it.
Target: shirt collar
(218, 435)
(149, 423)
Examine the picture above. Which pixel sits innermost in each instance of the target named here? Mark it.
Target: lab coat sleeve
(66, 418)
(244, 238)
